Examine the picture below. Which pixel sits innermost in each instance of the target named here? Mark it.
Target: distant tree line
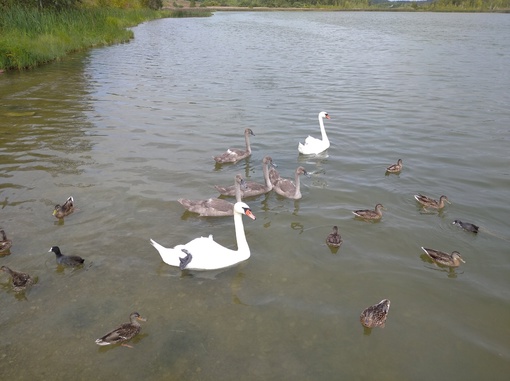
(41, 4)
(472, 4)
(448, 5)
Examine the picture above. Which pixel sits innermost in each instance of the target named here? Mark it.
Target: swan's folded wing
(311, 140)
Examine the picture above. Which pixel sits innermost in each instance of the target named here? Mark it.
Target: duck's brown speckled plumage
(5, 244)
(334, 239)
(375, 316)
(124, 332)
(395, 168)
(452, 260)
(20, 281)
(369, 214)
(64, 210)
(430, 202)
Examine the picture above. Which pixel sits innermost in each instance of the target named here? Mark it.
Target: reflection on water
(127, 131)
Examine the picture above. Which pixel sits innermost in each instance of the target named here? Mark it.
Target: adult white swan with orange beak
(204, 253)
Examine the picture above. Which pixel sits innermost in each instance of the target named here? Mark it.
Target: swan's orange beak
(250, 214)
(327, 116)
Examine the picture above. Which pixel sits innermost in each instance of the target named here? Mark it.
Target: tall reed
(29, 37)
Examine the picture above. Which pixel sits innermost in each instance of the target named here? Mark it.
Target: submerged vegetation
(33, 32)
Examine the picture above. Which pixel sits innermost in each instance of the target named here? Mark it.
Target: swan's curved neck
(247, 140)
(242, 244)
(237, 188)
(265, 170)
(297, 181)
(323, 130)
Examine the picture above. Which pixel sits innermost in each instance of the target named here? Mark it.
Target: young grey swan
(288, 188)
(214, 207)
(252, 188)
(233, 155)
(274, 175)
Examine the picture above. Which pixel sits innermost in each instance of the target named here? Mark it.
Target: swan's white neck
(323, 130)
(243, 249)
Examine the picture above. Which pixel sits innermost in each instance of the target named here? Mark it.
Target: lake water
(129, 129)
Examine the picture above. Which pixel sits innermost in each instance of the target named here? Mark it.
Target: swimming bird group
(204, 253)
(20, 282)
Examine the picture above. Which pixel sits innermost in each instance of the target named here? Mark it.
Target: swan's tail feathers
(157, 246)
(185, 202)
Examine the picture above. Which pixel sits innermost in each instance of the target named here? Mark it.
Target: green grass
(29, 37)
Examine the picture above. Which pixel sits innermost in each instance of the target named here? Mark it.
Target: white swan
(288, 188)
(252, 188)
(204, 253)
(313, 145)
(233, 155)
(214, 207)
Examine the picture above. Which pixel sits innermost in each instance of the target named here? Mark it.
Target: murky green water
(129, 129)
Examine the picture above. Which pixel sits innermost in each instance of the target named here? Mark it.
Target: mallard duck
(451, 260)
(5, 244)
(368, 214)
(233, 155)
(288, 188)
(214, 207)
(313, 145)
(466, 226)
(252, 188)
(124, 332)
(20, 281)
(430, 202)
(334, 239)
(395, 168)
(66, 260)
(61, 211)
(375, 316)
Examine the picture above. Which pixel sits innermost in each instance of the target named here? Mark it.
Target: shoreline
(271, 9)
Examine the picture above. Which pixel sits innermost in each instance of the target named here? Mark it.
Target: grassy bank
(29, 37)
